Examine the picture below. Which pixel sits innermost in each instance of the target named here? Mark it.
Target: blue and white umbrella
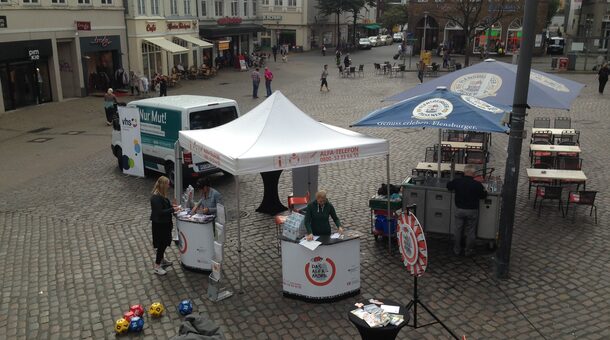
(495, 81)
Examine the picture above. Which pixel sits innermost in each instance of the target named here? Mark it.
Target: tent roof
(278, 135)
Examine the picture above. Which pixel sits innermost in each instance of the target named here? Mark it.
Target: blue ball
(185, 307)
(136, 324)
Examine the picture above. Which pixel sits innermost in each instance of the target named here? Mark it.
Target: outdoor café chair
(430, 154)
(569, 163)
(547, 192)
(586, 198)
(562, 123)
(352, 71)
(543, 162)
(483, 174)
(542, 137)
(361, 70)
(475, 137)
(377, 68)
(569, 137)
(542, 122)
(539, 181)
(295, 202)
(475, 156)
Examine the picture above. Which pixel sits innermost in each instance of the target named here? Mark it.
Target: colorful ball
(137, 310)
(121, 326)
(185, 307)
(136, 324)
(156, 310)
(128, 315)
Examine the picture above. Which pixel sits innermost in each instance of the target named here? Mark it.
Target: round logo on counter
(483, 105)
(182, 243)
(548, 82)
(433, 109)
(412, 242)
(320, 271)
(479, 85)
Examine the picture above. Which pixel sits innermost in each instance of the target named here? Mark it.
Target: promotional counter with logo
(328, 273)
(196, 244)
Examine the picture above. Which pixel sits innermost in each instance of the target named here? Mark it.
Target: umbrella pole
(238, 234)
(388, 219)
(438, 156)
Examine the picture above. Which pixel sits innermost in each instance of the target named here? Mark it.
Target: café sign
(83, 25)
(151, 26)
(272, 17)
(101, 41)
(179, 25)
(34, 55)
(229, 21)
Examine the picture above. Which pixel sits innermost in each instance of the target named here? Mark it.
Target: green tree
(394, 15)
(551, 10)
(333, 7)
(354, 7)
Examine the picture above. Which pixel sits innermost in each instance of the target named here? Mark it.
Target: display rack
(216, 289)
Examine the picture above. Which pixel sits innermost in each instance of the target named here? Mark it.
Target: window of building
(154, 7)
(187, 7)
(3, 1)
(83, 2)
(265, 2)
(61, 2)
(204, 8)
(218, 8)
(141, 7)
(253, 7)
(173, 7)
(234, 8)
(278, 2)
(151, 59)
(245, 8)
(30, 1)
(106, 2)
(292, 3)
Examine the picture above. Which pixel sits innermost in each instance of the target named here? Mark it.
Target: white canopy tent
(277, 135)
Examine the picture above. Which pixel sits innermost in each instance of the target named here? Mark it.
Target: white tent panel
(277, 135)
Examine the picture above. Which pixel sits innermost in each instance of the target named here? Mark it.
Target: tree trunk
(467, 49)
(354, 29)
(338, 32)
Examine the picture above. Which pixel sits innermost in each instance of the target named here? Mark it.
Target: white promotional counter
(328, 273)
(196, 244)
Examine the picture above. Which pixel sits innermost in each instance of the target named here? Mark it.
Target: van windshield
(211, 118)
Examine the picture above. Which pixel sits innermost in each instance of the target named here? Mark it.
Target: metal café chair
(454, 136)
(542, 122)
(569, 163)
(547, 192)
(361, 70)
(539, 181)
(586, 198)
(562, 123)
(430, 154)
(377, 67)
(542, 137)
(568, 137)
(352, 71)
(475, 156)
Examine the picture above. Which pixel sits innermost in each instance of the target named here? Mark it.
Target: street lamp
(423, 41)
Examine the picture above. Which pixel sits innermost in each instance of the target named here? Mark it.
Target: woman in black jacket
(161, 217)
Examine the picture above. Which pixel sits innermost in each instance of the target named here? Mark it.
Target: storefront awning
(195, 41)
(167, 45)
(229, 30)
(372, 26)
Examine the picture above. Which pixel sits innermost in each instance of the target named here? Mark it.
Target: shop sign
(151, 27)
(34, 55)
(272, 17)
(223, 45)
(101, 41)
(179, 25)
(229, 21)
(83, 25)
(3, 23)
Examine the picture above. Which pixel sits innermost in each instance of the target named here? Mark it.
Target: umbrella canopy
(495, 81)
(441, 109)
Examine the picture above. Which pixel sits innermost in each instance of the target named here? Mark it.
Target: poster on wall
(132, 160)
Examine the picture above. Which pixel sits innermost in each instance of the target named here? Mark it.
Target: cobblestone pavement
(76, 242)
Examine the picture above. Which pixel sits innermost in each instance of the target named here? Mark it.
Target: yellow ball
(156, 310)
(121, 326)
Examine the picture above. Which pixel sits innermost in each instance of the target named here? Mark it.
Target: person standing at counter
(209, 198)
(317, 214)
(161, 218)
(468, 192)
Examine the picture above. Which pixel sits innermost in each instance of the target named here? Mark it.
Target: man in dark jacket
(468, 192)
(317, 214)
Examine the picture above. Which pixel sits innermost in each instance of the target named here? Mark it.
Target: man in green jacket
(316, 216)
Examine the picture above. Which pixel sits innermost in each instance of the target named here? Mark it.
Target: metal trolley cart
(379, 210)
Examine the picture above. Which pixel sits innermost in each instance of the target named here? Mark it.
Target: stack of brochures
(375, 316)
(294, 226)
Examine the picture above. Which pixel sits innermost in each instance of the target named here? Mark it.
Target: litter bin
(571, 61)
(515, 59)
(563, 64)
(554, 62)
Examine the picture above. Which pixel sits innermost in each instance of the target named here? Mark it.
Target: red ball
(137, 310)
(128, 315)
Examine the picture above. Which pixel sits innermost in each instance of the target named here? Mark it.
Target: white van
(161, 119)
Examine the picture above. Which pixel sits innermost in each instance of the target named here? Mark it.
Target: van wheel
(119, 157)
(170, 172)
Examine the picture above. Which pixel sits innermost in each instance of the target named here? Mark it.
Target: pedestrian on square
(162, 224)
(274, 50)
(603, 77)
(347, 61)
(163, 86)
(468, 192)
(134, 83)
(110, 103)
(338, 57)
(323, 77)
(323, 50)
(421, 66)
(256, 80)
(268, 79)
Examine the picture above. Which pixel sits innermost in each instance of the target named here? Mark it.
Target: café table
(554, 132)
(555, 148)
(388, 332)
(431, 166)
(463, 145)
(554, 174)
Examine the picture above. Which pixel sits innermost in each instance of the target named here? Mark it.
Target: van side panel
(159, 126)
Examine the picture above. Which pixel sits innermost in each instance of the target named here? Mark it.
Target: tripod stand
(414, 302)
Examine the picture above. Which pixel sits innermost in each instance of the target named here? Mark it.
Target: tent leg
(388, 219)
(241, 290)
(439, 154)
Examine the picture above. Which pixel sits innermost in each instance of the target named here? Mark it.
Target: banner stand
(216, 289)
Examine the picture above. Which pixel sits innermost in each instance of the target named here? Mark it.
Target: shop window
(245, 8)
(141, 7)
(151, 59)
(234, 8)
(292, 3)
(218, 8)
(492, 34)
(254, 7)
(204, 8)
(173, 7)
(154, 7)
(514, 37)
(187, 7)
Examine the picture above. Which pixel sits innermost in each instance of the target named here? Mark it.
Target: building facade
(78, 49)
(594, 25)
(426, 19)
(163, 34)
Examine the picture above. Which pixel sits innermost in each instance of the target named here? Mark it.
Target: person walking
(347, 61)
(110, 103)
(163, 86)
(420, 70)
(323, 77)
(256, 80)
(338, 57)
(268, 79)
(468, 192)
(134, 82)
(603, 77)
(274, 50)
(323, 50)
(162, 224)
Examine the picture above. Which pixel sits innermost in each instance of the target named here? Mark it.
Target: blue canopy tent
(441, 109)
(495, 81)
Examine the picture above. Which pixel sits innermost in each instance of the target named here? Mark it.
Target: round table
(388, 332)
